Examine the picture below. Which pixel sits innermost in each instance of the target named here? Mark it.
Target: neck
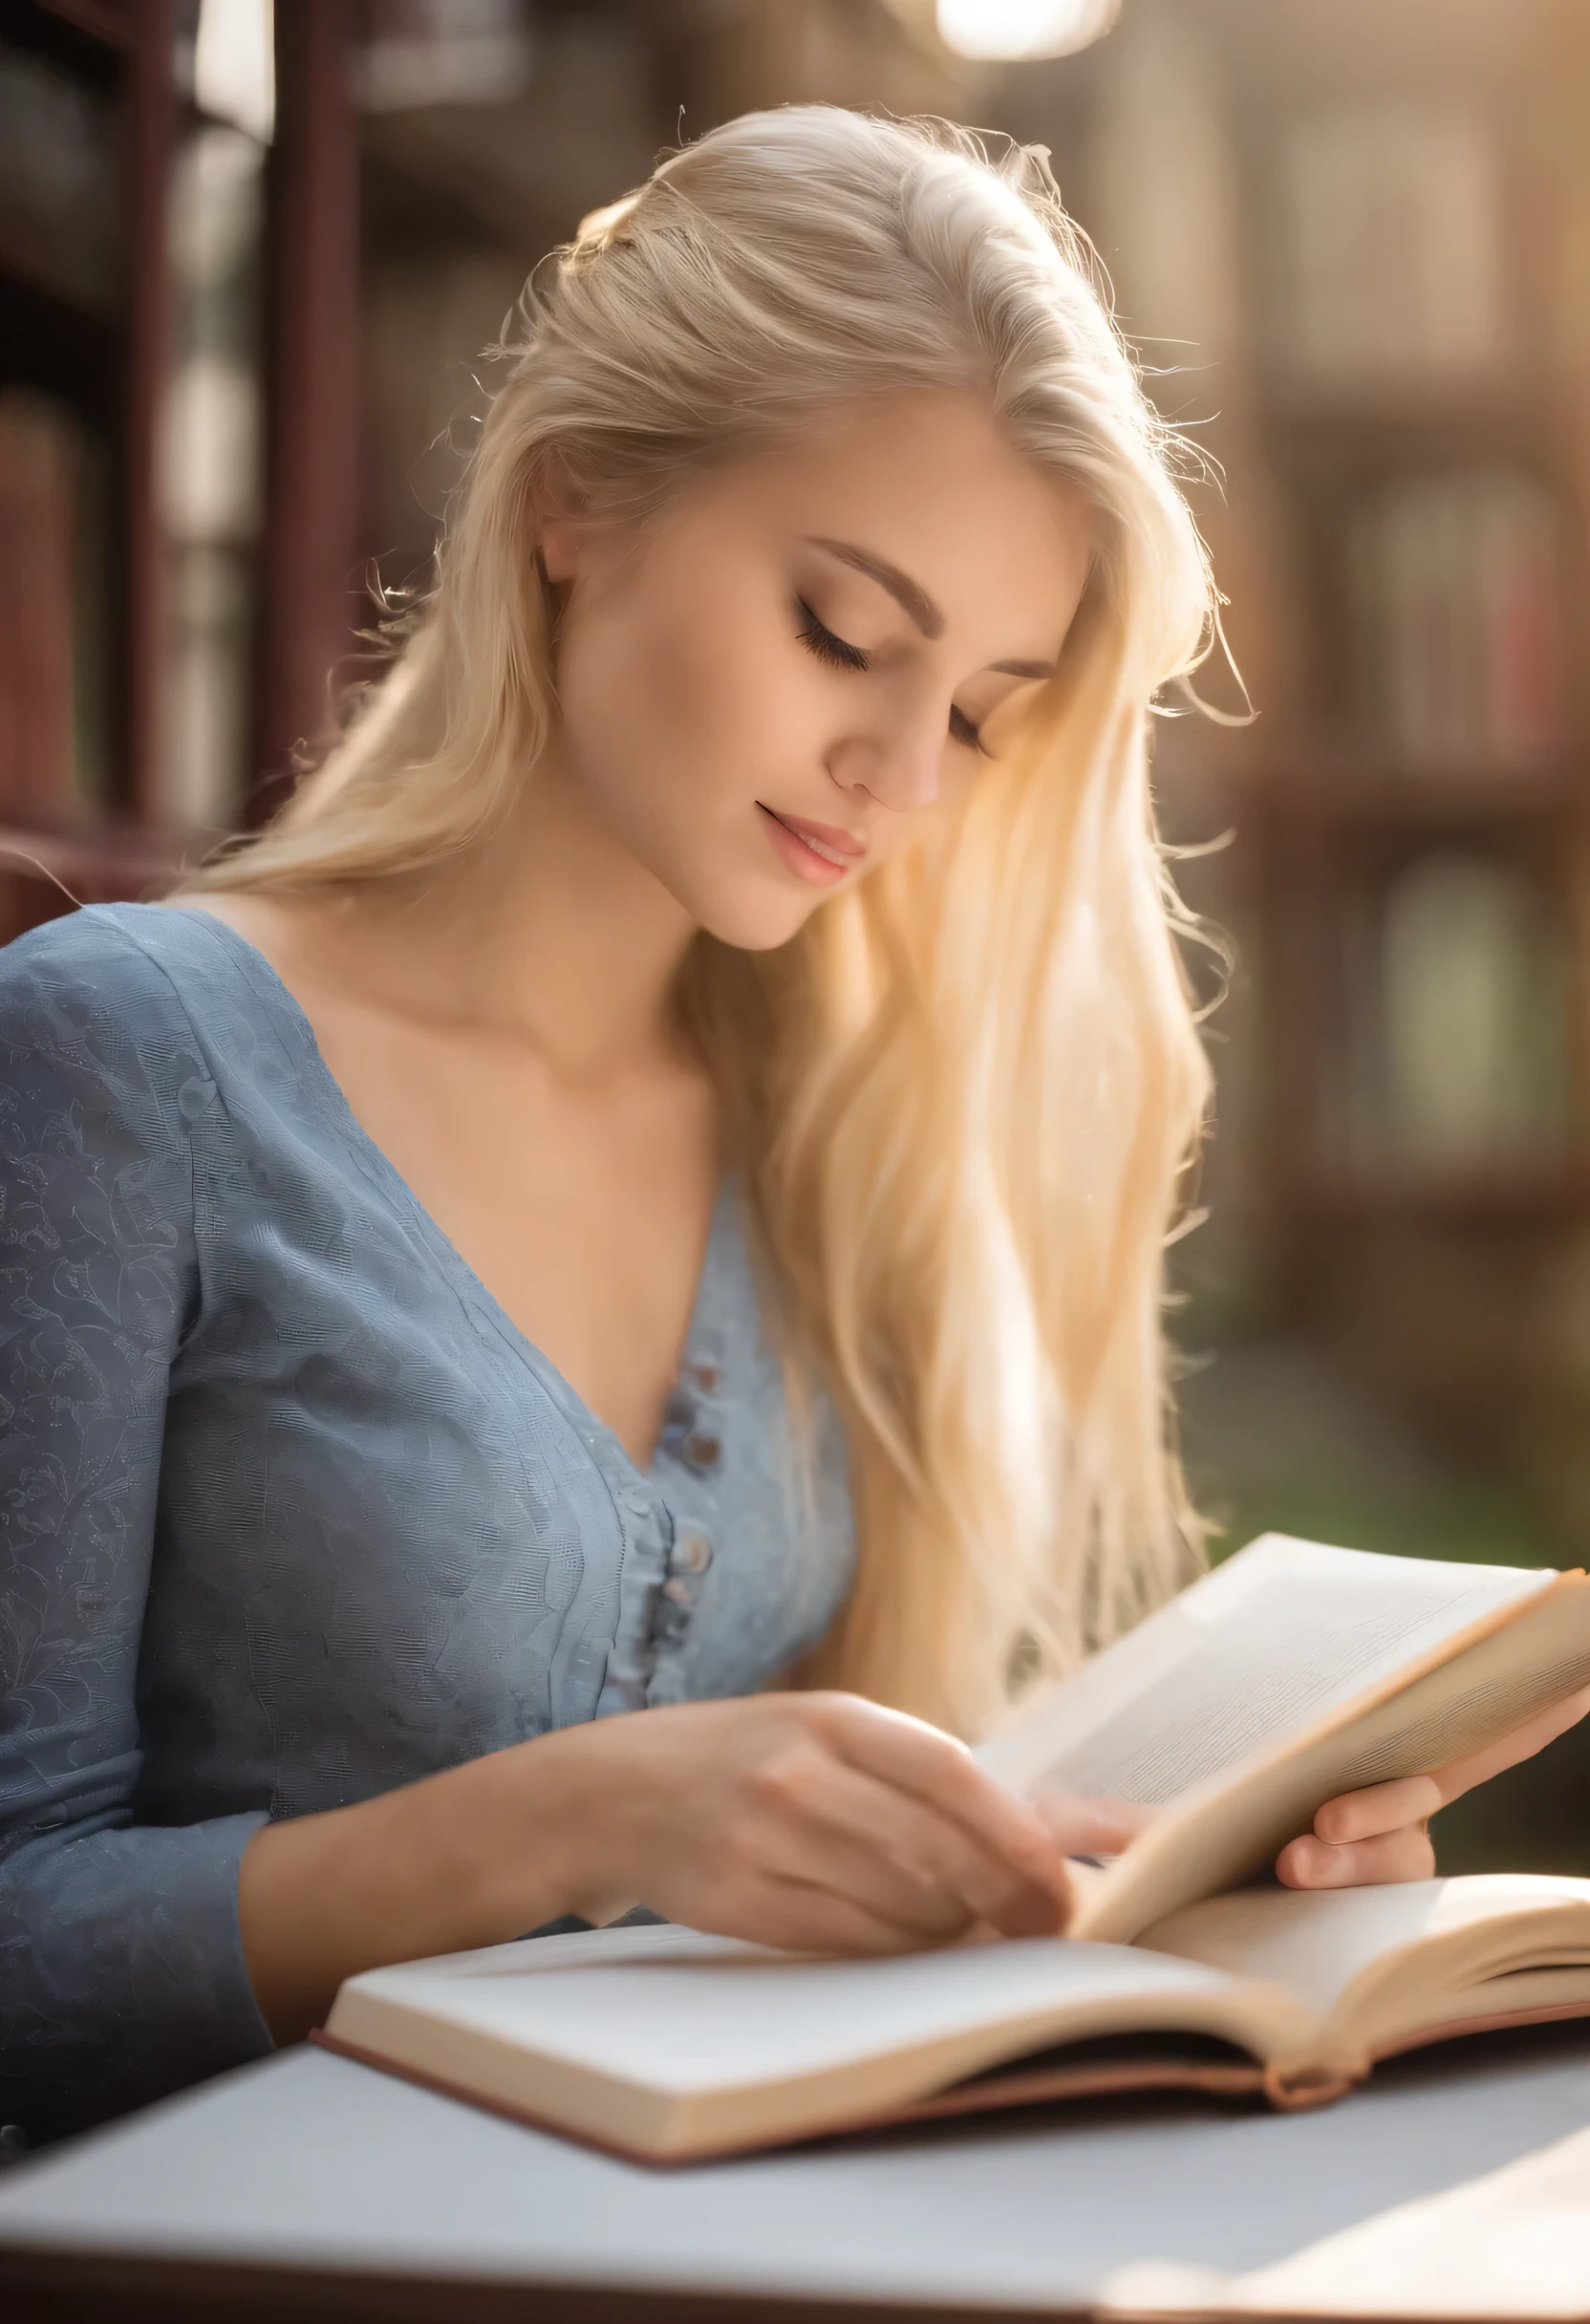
(548, 930)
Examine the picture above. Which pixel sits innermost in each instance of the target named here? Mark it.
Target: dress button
(690, 1554)
(675, 1593)
(702, 1451)
(638, 1505)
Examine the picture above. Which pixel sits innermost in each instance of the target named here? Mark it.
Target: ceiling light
(1008, 29)
(234, 64)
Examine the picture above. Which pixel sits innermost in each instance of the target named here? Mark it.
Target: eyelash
(819, 639)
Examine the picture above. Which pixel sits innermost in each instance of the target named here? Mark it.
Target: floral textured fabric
(291, 1513)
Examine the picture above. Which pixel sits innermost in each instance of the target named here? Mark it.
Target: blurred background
(249, 259)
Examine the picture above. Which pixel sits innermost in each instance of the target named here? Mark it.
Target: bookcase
(1354, 243)
(86, 105)
(178, 281)
(1423, 841)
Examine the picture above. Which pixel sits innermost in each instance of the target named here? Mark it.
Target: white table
(307, 2186)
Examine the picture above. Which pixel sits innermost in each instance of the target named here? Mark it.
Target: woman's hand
(1383, 1834)
(818, 1822)
(814, 1822)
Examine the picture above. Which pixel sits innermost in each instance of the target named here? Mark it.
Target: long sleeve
(121, 1974)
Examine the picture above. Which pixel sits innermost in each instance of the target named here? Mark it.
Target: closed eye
(840, 655)
(819, 639)
(962, 730)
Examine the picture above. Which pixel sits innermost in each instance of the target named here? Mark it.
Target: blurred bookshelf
(79, 305)
(1409, 403)
(1353, 244)
(1421, 832)
(176, 426)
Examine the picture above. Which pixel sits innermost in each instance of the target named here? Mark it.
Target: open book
(1289, 1674)
(1292, 1674)
(669, 2046)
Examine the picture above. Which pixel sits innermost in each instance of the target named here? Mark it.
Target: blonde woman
(646, 1181)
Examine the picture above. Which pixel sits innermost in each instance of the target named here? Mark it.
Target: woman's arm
(121, 1972)
(816, 1821)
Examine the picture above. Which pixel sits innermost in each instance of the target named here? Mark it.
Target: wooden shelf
(1346, 788)
(1401, 407)
(56, 337)
(107, 21)
(1497, 1199)
(87, 37)
(58, 293)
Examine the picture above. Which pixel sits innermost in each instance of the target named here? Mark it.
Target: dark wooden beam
(311, 599)
(151, 119)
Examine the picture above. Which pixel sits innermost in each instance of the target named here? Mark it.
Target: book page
(1319, 1942)
(685, 2012)
(706, 2050)
(1254, 1652)
(1417, 1720)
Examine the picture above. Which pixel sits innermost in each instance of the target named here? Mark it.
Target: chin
(750, 918)
(751, 931)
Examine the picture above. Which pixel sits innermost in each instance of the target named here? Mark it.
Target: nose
(898, 765)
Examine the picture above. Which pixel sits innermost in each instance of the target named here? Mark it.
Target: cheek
(678, 688)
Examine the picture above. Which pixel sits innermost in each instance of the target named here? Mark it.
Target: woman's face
(792, 677)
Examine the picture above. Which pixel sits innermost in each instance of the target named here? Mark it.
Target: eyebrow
(915, 601)
(906, 593)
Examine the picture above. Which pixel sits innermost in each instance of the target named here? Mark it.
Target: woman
(652, 1172)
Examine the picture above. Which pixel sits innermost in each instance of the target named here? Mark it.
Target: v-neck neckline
(260, 973)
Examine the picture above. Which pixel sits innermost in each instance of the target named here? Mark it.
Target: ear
(560, 549)
(562, 525)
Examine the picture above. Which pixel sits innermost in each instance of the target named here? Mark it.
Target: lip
(810, 849)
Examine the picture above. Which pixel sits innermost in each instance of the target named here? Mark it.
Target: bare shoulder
(296, 934)
(271, 923)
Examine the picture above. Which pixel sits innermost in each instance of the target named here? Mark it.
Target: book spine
(1291, 2084)
(1454, 584)
(39, 600)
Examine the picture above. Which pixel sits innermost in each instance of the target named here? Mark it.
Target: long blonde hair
(964, 1097)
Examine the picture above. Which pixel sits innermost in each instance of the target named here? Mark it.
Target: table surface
(308, 2184)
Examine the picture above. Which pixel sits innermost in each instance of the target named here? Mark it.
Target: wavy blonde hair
(963, 1099)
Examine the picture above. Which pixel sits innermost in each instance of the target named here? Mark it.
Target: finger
(923, 1760)
(1091, 1827)
(816, 1921)
(934, 1850)
(1311, 1862)
(794, 1917)
(1381, 1807)
(845, 1834)
(1523, 1744)
(846, 1831)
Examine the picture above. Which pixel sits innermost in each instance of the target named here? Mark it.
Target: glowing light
(234, 64)
(1005, 30)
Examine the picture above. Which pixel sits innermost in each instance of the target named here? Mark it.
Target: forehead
(932, 483)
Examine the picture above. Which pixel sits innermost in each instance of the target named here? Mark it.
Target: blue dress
(290, 1512)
